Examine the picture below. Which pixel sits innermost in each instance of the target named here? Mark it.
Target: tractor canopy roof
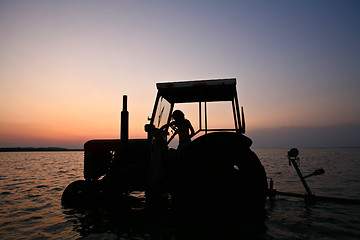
(198, 91)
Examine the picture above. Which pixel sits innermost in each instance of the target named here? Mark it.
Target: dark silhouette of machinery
(217, 171)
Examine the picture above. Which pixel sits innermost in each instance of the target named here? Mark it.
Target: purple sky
(64, 66)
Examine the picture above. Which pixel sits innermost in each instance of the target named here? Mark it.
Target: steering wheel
(172, 137)
(171, 130)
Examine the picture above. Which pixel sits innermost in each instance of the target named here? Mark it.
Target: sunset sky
(65, 65)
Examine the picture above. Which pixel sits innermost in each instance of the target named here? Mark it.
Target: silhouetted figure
(182, 127)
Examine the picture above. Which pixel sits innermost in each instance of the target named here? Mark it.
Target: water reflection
(143, 224)
(31, 188)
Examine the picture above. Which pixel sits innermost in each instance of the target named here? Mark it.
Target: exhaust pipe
(124, 126)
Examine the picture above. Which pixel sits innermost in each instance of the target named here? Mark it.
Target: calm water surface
(31, 184)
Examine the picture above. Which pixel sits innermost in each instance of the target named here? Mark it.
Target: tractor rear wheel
(218, 172)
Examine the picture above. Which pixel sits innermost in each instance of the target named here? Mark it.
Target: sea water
(31, 184)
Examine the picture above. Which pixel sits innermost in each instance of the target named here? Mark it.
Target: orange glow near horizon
(42, 126)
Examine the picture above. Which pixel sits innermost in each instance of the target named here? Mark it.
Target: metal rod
(242, 120)
(234, 113)
(292, 159)
(320, 198)
(155, 108)
(315, 173)
(199, 115)
(238, 113)
(205, 118)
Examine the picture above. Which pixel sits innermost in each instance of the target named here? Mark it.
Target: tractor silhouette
(217, 171)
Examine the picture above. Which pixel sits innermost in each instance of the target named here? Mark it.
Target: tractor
(217, 171)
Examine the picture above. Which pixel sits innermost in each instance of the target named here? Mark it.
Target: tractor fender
(80, 194)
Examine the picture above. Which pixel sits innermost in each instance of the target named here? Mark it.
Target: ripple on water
(5, 193)
(57, 189)
(33, 195)
(38, 207)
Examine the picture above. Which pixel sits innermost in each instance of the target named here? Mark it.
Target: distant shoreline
(41, 149)
(58, 149)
